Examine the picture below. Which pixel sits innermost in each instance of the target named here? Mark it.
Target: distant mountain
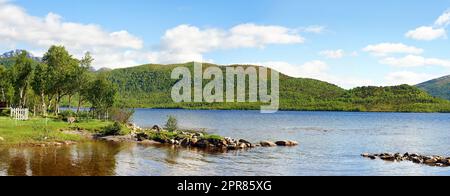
(439, 87)
(149, 86)
(7, 58)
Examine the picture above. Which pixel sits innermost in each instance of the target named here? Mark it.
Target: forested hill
(149, 86)
(439, 87)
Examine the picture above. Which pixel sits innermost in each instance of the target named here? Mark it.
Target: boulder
(286, 143)
(157, 128)
(194, 141)
(150, 142)
(431, 161)
(387, 157)
(232, 147)
(186, 142)
(267, 144)
(202, 143)
(365, 155)
(244, 141)
(242, 145)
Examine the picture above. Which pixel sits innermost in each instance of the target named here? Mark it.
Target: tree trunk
(21, 97)
(58, 99)
(70, 101)
(3, 95)
(44, 106)
(79, 104)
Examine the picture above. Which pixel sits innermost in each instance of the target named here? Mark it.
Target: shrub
(172, 124)
(122, 115)
(66, 114)
(5, 112)
(115, 129)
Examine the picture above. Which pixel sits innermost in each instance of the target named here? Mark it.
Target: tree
(172, 124)
(4, 83)
(21, 75)
(40, 84)
(83, 79)
(62, 72)
(101, 93)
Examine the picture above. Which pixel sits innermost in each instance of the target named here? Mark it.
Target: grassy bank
(40, 130)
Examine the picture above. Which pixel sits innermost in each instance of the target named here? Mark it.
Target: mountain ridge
(439, 87)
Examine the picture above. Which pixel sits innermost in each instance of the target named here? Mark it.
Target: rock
(387, 157)
(232, 147)
(199, 134)
(244, 141)
(416, 159)
(286, 143)
(242, 145)
(267, 144)
(194, 141)
(186, 142)
(150, 142)
(430, 161)
(365, 155)
(157, 128)
(202, 143)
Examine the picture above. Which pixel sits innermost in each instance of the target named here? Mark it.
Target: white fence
(19, 113)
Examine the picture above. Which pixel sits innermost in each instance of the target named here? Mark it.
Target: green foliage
(213, 137)
(102, 93)
(66, 114)
(438, 87)
(122, 115)
(172, 124)
(149, 86)
(115, 129)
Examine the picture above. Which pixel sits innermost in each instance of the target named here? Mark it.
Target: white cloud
(426, 33)
(444, 19)
(415, 61)
(407, 77)
(332, 54)
(17, 26)
(429, 33)
(384, 49)
(120, 48)
(188, 43)
(316, 70)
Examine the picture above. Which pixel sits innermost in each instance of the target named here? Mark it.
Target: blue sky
(348, 42)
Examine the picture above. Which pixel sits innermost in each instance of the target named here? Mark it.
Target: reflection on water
(330, 144)
(89, 159)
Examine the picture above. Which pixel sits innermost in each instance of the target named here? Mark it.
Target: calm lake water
(330, 144)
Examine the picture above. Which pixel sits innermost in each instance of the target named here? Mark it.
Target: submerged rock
(437, 161)
(267, 144)
(286, 143)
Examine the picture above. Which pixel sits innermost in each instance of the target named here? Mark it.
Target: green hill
(149, 86)
(439, 87)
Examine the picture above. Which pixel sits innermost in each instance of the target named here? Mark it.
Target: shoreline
(336, 111)
(59, 133)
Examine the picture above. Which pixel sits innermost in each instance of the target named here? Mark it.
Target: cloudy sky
(348, 42)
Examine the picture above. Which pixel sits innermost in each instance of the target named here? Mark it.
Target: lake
(330, 144)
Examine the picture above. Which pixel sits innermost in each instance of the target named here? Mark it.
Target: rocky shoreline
(194, 139)
(435, 161)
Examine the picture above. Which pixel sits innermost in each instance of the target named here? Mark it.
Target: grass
(167, 135)
(40, 130)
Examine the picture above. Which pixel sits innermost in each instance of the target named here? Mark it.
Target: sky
(348, 42)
